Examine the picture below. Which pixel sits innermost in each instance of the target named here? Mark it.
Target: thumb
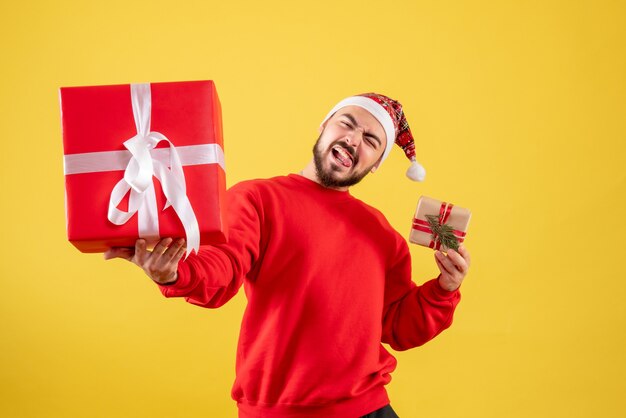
(119, 252)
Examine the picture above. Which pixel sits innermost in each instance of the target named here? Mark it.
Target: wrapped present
(439, 225)
(143, 160)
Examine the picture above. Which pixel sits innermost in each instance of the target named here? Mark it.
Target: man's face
(350, 146)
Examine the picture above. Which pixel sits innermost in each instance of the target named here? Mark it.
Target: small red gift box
(143, 161)
(437, 223)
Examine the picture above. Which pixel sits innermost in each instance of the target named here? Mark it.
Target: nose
(355, 137)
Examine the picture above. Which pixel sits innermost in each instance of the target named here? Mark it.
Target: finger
(161, 246)
(159, 249)
(167, 266)
(466, 255)
(442, 269)
(141, 253)
(172, 251)
(457, 260)
(181, 252)
(119, 252)
(444, 263)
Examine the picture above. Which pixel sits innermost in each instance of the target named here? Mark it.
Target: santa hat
(390, 115)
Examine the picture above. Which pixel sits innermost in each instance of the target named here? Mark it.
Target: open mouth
(342, 155)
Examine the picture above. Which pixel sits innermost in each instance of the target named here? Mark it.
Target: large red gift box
(143, 160)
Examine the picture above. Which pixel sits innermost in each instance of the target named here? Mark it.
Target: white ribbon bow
(138, 178)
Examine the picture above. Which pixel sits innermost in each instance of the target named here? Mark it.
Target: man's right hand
(160, 264)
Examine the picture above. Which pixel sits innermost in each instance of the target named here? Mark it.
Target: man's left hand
(453, 267)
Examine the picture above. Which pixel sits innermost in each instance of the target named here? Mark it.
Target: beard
(330, 177)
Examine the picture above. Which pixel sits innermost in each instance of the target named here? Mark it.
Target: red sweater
(327, 280)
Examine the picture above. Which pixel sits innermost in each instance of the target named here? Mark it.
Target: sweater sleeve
(214, 275)
(413, 315)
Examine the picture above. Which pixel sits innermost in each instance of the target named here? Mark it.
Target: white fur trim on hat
(377, 111)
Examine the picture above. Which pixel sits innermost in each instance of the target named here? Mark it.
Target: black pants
(385, 412)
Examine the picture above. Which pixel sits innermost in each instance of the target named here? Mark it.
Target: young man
(326, 276)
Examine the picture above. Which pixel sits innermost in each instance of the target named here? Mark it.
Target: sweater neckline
(299, 178)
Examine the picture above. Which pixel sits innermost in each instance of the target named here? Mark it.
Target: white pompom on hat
(391, 116)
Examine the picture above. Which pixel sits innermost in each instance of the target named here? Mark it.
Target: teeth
(343, 152)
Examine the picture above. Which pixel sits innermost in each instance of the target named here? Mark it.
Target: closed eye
(371, 142)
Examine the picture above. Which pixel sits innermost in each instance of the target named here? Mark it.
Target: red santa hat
(391, 116)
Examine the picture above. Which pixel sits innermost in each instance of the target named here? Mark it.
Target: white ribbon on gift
(140, 163)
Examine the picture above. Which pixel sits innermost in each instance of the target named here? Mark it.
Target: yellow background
(519, 113)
